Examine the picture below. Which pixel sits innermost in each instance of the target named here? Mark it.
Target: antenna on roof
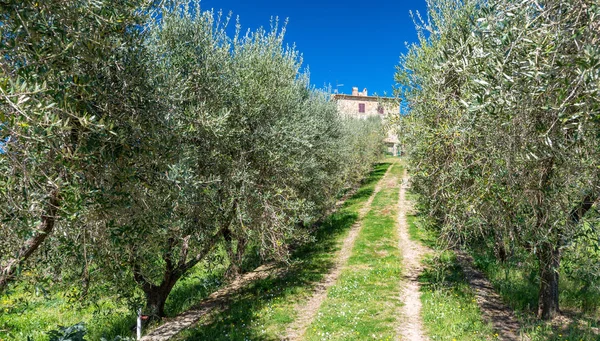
(337, 86)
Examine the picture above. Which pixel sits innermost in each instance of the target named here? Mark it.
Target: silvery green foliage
(504, 109)
(150, 138)
(68, 93)
(245, 154)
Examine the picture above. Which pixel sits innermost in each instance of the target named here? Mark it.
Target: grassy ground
(449, 309)
(363, 304)
(265, 309)
(30, 312)
(26, 314)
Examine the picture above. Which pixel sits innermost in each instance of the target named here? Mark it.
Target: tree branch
(583, 207)
(184, 266)
(140, 279)
(8, 270)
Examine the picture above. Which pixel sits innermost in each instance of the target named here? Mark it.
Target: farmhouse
(360, 105)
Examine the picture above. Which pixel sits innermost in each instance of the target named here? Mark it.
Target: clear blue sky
(355, 43)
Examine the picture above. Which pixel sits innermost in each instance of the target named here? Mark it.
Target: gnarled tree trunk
(156, 295)
(549, 278)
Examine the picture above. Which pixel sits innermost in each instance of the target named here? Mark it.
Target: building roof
(363, 98)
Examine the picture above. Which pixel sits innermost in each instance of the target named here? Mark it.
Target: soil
(410, 327)
(492, 308)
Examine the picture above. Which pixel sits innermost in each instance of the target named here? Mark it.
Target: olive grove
(141, 138)
(503, 130)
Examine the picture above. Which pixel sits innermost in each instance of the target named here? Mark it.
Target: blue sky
(354, 43)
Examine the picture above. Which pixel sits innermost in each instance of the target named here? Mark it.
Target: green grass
(27, 312)
(364, 302)
(398, 169)
(264, 310)
(196, 286)
(449, 309)
(417, 232)
(261, 312)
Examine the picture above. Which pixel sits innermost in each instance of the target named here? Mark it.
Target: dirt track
(410, 326)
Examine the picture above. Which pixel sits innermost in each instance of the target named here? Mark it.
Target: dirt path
(410, 327)
(217, 300)
(491, 306)
(308, 310)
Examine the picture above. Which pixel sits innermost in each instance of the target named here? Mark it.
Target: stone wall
(349, 106)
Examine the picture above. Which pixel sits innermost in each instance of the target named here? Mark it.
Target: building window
(361, 107)
(380, 109)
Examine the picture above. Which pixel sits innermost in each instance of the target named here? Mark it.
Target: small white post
(139, 324)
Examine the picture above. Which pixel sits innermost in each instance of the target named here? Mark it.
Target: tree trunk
(549, 276)
(235, 256)
(155, 303)
(7, 271)
(549, 258)
(156, 296)
(500, 247)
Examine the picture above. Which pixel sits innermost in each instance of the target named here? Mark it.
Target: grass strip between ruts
(364, 303)
(449, 309)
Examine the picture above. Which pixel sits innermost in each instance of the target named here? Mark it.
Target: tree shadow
(309, 264)
(240, 320)
(569, 326)
(517, 282)
(443, 272)
(192, 289)
(199, 286)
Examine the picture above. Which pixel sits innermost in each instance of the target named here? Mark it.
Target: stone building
(360, 105)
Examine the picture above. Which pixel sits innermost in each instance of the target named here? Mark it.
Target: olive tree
(68, 78)
(504, 106)
(148, 138)
(243, 154)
